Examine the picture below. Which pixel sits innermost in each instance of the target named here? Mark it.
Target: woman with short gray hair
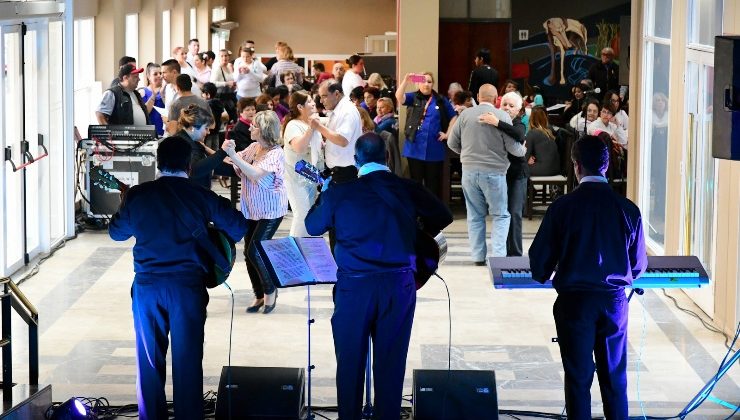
(264, 199)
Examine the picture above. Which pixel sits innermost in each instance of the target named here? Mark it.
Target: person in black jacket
(217, 109)
(595, 239)
(240, 134)
(122, 104)
(605, 74)
(169, 293)
(518, 172)
(483, 73)
(194, 124)
(375, 291)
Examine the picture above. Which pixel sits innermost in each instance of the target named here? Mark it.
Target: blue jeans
(485, 193)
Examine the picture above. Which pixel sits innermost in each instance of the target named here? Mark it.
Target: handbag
(220, 250)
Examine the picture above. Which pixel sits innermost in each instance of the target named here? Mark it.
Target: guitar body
(430, 252)
(215, 275)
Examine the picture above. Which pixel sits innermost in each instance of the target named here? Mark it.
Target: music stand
(291, 252)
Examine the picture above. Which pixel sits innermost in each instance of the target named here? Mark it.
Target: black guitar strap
(198, 231)
(391, 200)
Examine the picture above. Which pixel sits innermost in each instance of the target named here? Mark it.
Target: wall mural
(561, 54)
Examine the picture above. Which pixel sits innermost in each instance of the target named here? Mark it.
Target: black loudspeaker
(261, 393)
(726, 102)
(455, 395)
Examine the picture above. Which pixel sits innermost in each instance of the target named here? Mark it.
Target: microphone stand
(367, 410)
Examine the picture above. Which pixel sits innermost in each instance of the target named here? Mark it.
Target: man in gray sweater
(482, 148)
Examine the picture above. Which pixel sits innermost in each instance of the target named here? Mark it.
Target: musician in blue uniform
(375, 218)
(594, 238)
(169, 294)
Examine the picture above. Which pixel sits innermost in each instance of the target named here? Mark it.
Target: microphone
(594, 90)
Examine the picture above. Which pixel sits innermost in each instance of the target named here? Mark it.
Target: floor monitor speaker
(272, 393)
(454, 394)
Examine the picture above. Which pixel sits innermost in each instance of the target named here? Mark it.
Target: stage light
(72, 409)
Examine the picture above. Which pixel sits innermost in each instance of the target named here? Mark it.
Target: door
(11, 134)
(460, 41)
(699, 172)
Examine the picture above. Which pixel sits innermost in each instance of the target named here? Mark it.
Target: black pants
(259, 230)
(593, 326)
(380, 306)
(428, 174)
(516, 188)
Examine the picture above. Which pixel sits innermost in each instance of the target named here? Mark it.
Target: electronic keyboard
(662, 272)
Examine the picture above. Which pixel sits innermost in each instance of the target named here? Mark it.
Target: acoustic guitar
(430, 250)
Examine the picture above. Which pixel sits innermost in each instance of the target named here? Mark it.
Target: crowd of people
(274, 115)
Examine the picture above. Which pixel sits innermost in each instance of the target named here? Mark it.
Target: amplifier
(276, 393)
(131, 168)
(454, 395)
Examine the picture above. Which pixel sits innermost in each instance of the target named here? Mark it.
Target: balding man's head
(487, 93)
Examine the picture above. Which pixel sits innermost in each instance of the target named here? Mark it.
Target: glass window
(482, 9)
(705, 21)
(166, 48)
(659, 18)
(453, 9)
(193, 32)
(219, 13)
(655, 133)
(132, 35)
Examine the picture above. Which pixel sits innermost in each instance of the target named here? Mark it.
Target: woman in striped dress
(264, 199)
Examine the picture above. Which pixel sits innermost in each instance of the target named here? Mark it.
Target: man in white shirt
(341, 132)
(193, 50)
(170, 71)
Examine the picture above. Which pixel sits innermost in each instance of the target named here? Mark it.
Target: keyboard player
(595, 239)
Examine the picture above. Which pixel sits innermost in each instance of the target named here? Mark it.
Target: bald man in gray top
(482, 148)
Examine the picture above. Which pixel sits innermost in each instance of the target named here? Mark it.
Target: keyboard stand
(633, 291)
(704, 393)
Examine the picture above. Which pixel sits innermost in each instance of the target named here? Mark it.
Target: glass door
(699, 171)
(11, 134)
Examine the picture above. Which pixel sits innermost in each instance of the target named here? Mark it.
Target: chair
(543, 190)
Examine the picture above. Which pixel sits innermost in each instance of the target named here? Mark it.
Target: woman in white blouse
(222, 75)
(301, 142)
(585, 118)
(620, 117)
(606, 124)
(249, 74)
(264, 202)
(352, 78)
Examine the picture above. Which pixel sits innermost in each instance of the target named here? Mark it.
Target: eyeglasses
(606, 112)
(616, 101)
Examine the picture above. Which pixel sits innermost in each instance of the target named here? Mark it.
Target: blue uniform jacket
(594, 237)
(163, 243)
(371, 236)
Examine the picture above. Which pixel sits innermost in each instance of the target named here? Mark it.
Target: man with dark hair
(483, 73)
(375, 291)
(193, 50)
(341, 132)
(170, 70)
(185, 97)
(319, 73)
(594, 237)
(122, 104)
(169, 294)
(122, 62)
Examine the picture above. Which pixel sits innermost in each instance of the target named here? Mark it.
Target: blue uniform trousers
(380, 306)
(593, 326)
(171, 304)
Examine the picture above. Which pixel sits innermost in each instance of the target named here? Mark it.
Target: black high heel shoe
(269, 308)
(256, 307)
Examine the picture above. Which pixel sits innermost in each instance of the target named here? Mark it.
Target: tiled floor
(87, 346)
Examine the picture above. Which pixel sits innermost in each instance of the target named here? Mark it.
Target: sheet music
(288, 262)
(318, 256)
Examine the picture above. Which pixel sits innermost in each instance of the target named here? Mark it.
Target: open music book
(299, 261)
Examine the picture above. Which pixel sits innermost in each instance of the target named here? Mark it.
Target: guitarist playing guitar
(375, 220)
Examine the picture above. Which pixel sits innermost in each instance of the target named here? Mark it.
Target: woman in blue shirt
(154, 86)
(428, 118)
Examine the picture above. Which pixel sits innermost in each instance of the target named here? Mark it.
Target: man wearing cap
(122, 104)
